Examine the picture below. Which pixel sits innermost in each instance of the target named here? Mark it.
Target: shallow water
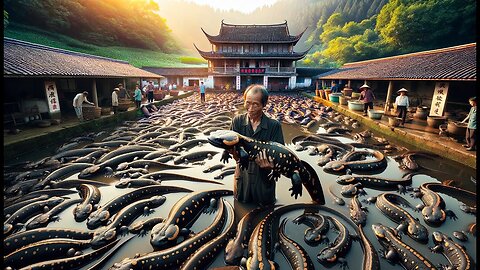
(432, 170)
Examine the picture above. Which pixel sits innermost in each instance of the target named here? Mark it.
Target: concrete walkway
(416, 134)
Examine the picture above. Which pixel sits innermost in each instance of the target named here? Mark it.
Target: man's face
(253, 104)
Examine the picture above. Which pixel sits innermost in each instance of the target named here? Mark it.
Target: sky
(245, 6)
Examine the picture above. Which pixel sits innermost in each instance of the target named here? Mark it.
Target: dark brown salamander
(296, 255)
(171, 258)
(370, 256)
(42, 220)
(104, 212)
(318, 224)
(408, 257)
(21, 239)
(357, 211)
(42, 251)
(91, 196)
(434, 210)
(124, 217)
(28, 211)
(235, 249)
(207, 253)
(414, 229)
(456, 254)
(183, 213)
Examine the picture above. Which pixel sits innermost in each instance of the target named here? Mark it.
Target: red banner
(252, 70)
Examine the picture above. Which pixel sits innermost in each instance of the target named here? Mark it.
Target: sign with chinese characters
(252, 70)
(52, 96)
(237, 83)
(439, 99)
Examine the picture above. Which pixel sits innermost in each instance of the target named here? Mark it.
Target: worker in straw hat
(78, 101)
(402, 104)
(367, 97)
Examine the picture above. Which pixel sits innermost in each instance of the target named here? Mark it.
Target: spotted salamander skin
(42, 251)
(91, 196)
(171, 258)
(456, 254)
(285, 160)
(24, 238)
(370, 256)
(72, 262)
(296, 255)
(396, 213)
(183, 213)
(42, 220)
(28, 211)
(370, 181)
(235, 248)
(207, 253)
(357, 211)
(409, 258)
(109, 233)
(104, 212)
(349, 161)
(340, 245)
(318, 224)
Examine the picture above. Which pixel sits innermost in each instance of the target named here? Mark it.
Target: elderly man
(78, 102)
(252, 186)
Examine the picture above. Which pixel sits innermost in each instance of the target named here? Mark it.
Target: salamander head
(102, 237)
(312, 236)
(327, 255)
(82, 211)
(39, 221)
(379, 230)
(96, 218)
(437, 237)
(125, 264)
(162, 234)
(418, 232)
(345, 179)
(224, 138)
(433, 214)
(233, 252)
(89, 172)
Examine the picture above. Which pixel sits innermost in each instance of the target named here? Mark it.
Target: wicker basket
(124, 105)
(88, 112)
(106, 110)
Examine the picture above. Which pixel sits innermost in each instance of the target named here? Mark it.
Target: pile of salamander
(156, 193)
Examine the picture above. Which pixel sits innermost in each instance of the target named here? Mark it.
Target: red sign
(252, 70)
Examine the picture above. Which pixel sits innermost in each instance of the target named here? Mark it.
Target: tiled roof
(29, 59)
(236, 55)
(178, 71)
(452, 63)
(310, 71)
(271, 33)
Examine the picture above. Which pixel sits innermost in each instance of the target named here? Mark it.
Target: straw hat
(402, 90)
(364, 86)
(116, 89)
(85, 92)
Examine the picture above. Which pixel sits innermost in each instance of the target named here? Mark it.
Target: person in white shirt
(77, 103)
(402, 104)
(115, 100)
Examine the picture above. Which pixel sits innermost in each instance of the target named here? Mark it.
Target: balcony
(236, 71)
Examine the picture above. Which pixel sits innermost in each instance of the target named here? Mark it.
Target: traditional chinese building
(247, 54)
(442, 79)
(42, 81)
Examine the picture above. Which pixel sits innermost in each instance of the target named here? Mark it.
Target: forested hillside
(128, 23)
(340, 31)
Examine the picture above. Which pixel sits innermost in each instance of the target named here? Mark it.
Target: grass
(134, 56)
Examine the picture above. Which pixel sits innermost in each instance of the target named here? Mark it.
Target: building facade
(42, 80)
(441, 79)
(252, 54)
